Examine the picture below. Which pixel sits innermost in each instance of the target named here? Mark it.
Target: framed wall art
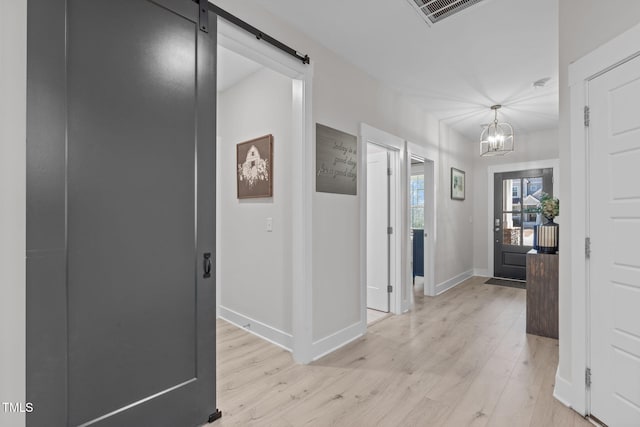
(336, 161)
(254, 159)
(457, 184)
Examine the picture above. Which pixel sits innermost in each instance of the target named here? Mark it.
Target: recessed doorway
(382, 158)
(516, 194)
(422, 183)
(417, 231)
(281, 223)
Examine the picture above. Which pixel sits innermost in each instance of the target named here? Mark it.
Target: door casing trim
(508, 167)
(395, 144)
(615, 52)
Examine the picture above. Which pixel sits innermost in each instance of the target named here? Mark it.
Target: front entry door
(515, 194)
(378, 237)
(614, 228)
(120, 214)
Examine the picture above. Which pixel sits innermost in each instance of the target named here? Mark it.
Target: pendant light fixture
(496, 138)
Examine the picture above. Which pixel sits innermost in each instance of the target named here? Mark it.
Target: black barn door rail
(256, 32)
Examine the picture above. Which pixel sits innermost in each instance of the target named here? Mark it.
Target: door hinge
(389, 171)
(389, 288)
(203, 15)
(587, 377)
(587, 115)
(389, 230)
(587, 247)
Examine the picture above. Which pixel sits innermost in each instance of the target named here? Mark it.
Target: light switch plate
(269, 224)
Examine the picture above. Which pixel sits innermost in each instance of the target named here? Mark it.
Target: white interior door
(377, 230)
(614, 228)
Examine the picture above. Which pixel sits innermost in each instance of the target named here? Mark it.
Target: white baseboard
(562, 391)
(482, 272)
(454, 281)
(262, 330)
(331, 343)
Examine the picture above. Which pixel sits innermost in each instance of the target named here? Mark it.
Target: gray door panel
(46, 310)
(139, 331)
(46, 127)
(131, 151)
(47, 338)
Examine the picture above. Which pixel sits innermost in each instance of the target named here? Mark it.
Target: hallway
(459, 359)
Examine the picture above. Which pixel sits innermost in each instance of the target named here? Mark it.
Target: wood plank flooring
(459, 359)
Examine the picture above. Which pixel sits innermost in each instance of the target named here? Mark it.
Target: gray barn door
(120, 214)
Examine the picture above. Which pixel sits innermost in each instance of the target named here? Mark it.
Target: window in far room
(417, 201)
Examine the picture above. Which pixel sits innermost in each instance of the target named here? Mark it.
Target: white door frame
(608, 56)
(242, 43)
(13, 128)
(369, 134)
(431, 174)
(511, 167)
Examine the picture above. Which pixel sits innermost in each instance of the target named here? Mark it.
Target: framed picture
(255, 168)
(457, 184)
(336, 161)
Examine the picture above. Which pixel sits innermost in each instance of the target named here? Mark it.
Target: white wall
(255, 276)
(343, 97)
(584, 26)
(13, 66)
(542, 145)
(454, 226)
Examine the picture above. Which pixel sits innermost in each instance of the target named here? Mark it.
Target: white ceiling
(490, 53)
(232, 68)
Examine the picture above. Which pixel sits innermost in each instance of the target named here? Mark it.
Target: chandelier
(496, 138)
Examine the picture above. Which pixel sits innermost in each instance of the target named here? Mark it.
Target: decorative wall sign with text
(336, 161)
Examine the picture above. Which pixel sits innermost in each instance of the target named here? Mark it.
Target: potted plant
(549, 207)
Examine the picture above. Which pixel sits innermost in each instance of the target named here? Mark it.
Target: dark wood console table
(542, 294)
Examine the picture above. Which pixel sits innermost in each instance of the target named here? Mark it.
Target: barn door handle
(206, 264)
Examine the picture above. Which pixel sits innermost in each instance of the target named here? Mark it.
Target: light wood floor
(459, 359)
(374, 316)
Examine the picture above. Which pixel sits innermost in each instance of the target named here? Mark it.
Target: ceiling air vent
(436, 10)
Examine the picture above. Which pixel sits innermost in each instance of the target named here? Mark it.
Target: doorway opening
(382, 209)
(422, 182)
(417, 222)
(264, 241)
(254, 227)
(516, 195)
